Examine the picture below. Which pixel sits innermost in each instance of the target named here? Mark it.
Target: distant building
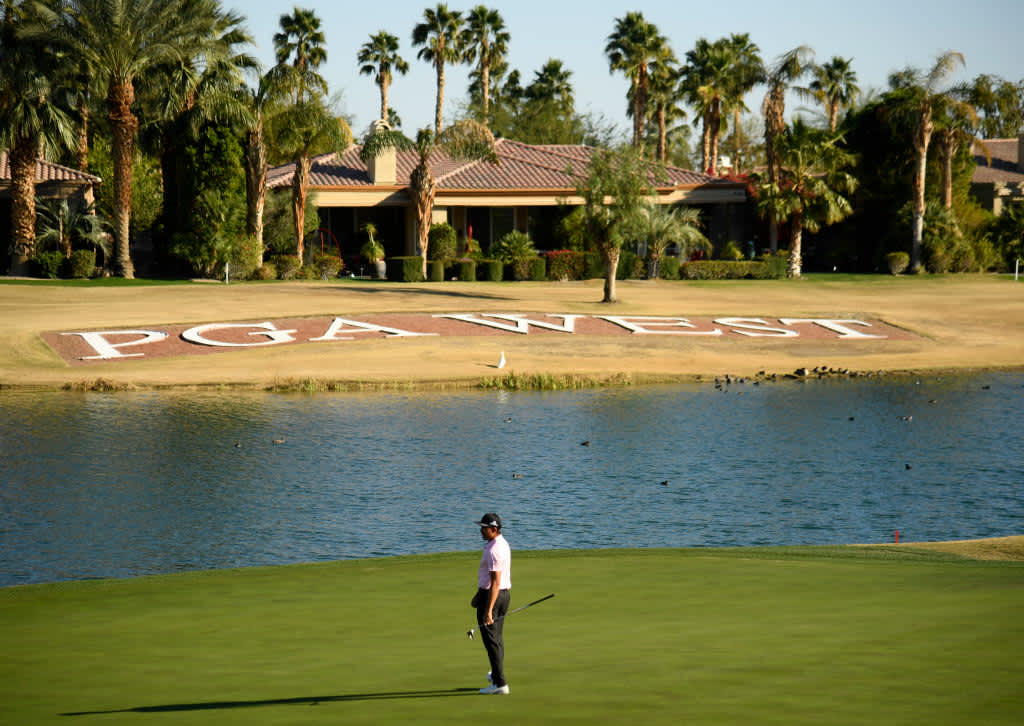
(999, 182)
(528, 190)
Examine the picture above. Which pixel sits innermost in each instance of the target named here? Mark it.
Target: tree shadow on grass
(299, 701)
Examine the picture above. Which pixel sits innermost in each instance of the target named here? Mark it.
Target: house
(527, 190)
(998, 179)
(53, 181)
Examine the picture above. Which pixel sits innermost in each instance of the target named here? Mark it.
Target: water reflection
(115, 485)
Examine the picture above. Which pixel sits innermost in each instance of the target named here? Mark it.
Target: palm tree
(486, 39)
(708, 84)
(631, 48)
(786, 70)
(659, 226)
(462, 140)
(440, 34)
(552, 84)
(812, 182)
(747, 71)
(303, 131)
(913, 100)
(835, 87)
(120, 40)
(300, 36)
(954, 120)
(30, 121)
(379, 57)
(667, 97)
(71, 222)
(614, 188)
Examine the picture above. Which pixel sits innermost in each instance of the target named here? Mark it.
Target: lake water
(98, 485)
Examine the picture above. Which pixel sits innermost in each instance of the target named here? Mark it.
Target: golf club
(527, 605)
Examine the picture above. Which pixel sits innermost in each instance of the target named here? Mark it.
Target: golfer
(494, 581)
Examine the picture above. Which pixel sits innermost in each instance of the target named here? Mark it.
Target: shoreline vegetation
(960, 323)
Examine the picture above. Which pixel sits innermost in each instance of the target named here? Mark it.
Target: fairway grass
(816, 635)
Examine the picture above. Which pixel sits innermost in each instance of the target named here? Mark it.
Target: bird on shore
(584, 443)
(665, 483)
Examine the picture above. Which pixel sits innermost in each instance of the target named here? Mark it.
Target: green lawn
(787, 636)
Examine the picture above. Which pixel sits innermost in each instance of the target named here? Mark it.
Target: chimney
(383, 167)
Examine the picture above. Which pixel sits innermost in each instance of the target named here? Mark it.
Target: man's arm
(495, 589)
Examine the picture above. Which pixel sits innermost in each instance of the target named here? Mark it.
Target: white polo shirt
(497, 557)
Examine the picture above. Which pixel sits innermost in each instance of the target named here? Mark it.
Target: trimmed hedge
(82, 264)
(441, 241)
(405, 269)
(668, 268)
(491, 270)
(48, 264)
(725, 270)
(435, 270)
(466, 270)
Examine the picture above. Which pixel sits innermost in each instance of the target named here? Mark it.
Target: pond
(118, 485)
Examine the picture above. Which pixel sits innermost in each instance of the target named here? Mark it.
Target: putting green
(805, 635)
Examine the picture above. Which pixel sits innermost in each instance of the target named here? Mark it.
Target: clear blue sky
(879, 36)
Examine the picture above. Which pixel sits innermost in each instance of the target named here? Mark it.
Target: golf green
(817, 635)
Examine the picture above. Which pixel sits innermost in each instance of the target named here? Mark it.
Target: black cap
(490, 520)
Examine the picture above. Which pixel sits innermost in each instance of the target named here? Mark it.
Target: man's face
(488, 533)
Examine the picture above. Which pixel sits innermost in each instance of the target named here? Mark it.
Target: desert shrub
(441, 242)
(82, 264)
(48, 264)
(327, 267)
(565, 265)
(897, 262)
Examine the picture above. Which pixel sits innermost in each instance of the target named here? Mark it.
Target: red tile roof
(1004, 166)
(48, 172)
(520, 167)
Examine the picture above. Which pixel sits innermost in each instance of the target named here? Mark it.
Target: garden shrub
(82, 264)
(327, 267)
(48, 264)
(267, 271)
(538, 269)
(631, 266)
(287, 266)
(441, 242)
(593, 266)
(405, 269)
(897, 262)
(466, 270)
(565, 265)
(732, 252)
(513, 246)
(435, 270)
(669, 268)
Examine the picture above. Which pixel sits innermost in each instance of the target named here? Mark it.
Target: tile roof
(1004, 166)
(520, 167)
(48, 172)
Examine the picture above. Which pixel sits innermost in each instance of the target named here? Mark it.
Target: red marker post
(897, 535)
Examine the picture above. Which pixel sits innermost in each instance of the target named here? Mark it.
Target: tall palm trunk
(385, 84)
(300, 189)
(662, 134)
(255, 184)
(774, 124)
(423, 190)
(611, 254)
(705, 141)
(736, 140)
(796, 235)
(124, 127)
(948, 146)
(716, 128)
(639, 105)
(485, 81)
(23, 203)
(82, 147)
(439, 105)
(922, 137)
(833, 115)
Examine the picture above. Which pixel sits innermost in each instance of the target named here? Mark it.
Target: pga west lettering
(108, 345)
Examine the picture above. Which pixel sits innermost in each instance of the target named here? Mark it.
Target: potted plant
(373, 250)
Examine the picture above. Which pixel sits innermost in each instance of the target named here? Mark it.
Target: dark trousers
(492, 634)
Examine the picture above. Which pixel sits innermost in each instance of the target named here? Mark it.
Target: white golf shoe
(493, 690)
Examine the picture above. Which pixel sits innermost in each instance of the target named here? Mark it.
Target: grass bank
(841, 635)
(959, 322)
